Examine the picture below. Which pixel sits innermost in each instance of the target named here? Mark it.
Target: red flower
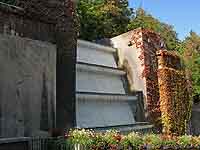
(117, 137)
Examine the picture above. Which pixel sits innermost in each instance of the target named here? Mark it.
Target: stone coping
(14, 140)
(104, 97)
(98, 69)
(87, 44)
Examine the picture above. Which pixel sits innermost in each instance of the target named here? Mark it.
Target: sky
(184, 15)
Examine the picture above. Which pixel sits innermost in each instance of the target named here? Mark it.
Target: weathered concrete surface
(14, 143)
(88, 52)
(27, 86)
(128, 56)
(14, 21)
(101, 99)
(100, 113)
(96, 110)
(195, 119)
(55, 22)
(137, 56)
(98, 79)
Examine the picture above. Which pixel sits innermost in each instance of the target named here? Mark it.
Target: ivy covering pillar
(175, 101)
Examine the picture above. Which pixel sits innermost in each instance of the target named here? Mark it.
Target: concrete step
(92, 53)
(82, 66)
(99, 79)
(102, 110)
(104, 96)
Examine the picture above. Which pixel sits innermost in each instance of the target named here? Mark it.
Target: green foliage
(98, 141)
(134, 140)
(112, 140)
(108, 18)
(82, 137)
(184, 140)
(103, 18)
(191, 55)
(111, 137)
(154, 140)
(169, 143)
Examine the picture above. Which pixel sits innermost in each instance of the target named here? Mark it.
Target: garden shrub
(133, 140)
(113, 140)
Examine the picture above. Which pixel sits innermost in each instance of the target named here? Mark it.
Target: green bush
(132, 140)
(113, 140)
(83, 137)
(153, 140)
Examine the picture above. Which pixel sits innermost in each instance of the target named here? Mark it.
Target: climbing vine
(148, 42)
(175, 100)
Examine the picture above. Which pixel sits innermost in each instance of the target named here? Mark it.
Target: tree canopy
(191, 56)
(103, 18)
(108, 18)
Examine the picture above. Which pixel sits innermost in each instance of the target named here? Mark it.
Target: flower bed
(113, 140)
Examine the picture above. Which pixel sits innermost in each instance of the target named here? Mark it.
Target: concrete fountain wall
(37, 79)
(101, 99)
(137, 55)
(28, 82)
